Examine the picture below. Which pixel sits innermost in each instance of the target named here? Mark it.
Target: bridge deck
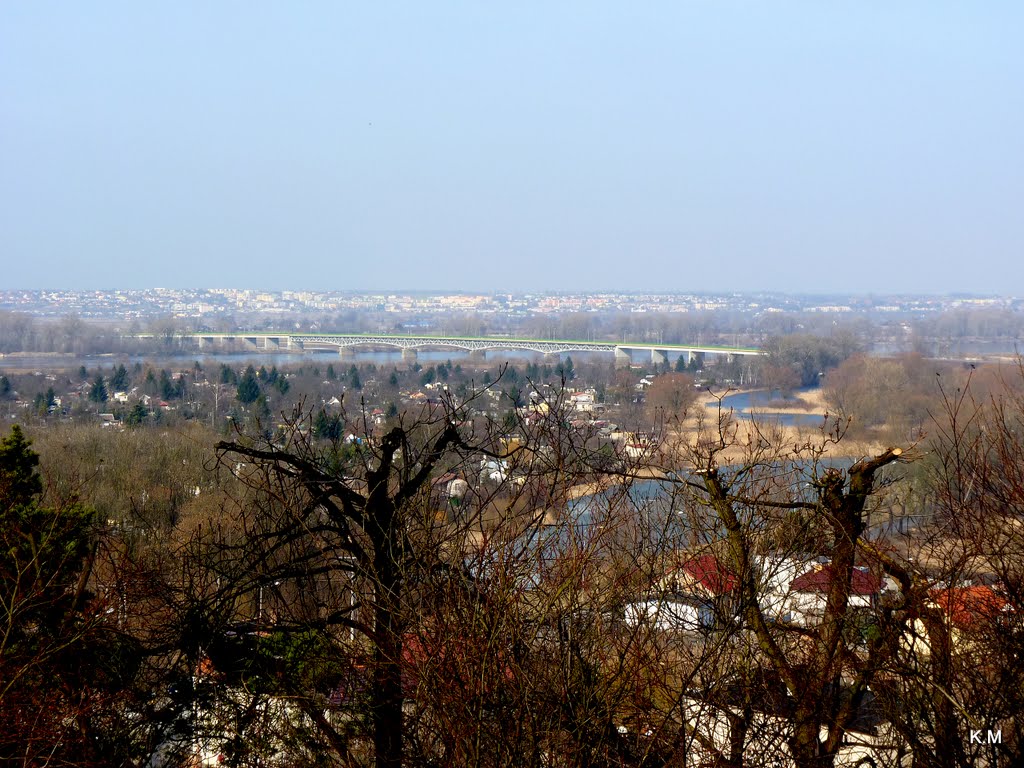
(549, 346)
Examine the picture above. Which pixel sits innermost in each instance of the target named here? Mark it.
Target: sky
(867, 147)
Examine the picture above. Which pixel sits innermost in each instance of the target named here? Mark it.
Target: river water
(744, 405)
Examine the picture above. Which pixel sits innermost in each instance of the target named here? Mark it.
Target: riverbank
(805, 422)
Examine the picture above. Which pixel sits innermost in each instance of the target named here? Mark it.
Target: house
(869, 740)
(703, 575)
(808, 592)
(974, 606)
(706, 585)
(639, 445)
(583, 401)
(775, 575)
(671, 613)
(495, 470)
(109, 420)
(971, 612)
(450, 486)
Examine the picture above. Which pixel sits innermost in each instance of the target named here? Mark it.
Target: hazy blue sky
(805, 146)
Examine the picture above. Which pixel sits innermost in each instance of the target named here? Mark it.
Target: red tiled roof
(820, 579)
(967, 606)
(710, 574)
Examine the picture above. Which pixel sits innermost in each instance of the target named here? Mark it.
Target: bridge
(624, 352)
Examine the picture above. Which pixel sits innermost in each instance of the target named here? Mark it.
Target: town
(511, 385)
(210, 304)
(685, 529)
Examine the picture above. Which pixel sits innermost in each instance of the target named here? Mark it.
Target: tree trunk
(387, 691)
(387, 667)
(804, 744)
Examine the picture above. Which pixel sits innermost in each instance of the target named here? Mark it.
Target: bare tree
(785, 513)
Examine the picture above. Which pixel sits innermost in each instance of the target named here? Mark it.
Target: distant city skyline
(684, 147)
(224, 303)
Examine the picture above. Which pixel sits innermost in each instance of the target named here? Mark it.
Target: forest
(464, 565)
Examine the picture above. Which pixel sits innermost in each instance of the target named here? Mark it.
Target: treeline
(71, 335)
(228, 396)
(20, 332)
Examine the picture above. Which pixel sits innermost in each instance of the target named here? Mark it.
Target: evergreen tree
(98, 391)
(227, 375)
(680, 364)
(119, 381)
(261, 410)
(5, 388)
(83, 374)
(137, 415)
(515, 394)
(566, 369)
(44, 552)
(353, 378)
(327, 426)
(331, 374)
(169, 389)
(393, 379)
(248, 387)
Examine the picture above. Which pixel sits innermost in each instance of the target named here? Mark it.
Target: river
(757, 404)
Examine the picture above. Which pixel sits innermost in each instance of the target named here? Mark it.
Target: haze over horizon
(674, 147)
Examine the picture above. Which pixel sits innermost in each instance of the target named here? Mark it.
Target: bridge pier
(553, 349)
(409, 356)
(346, 353)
